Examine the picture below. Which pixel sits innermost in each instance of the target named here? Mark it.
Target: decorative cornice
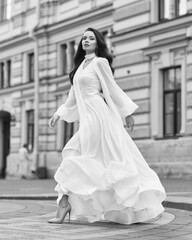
(152, 29)
(156, 56)
(56, 80)
(18, 87)
(18, 40)
(82, 1)
(171, 44)
(27, 12)
(80, 19)
(25, 98)
(56, 27)
(131, 10)
(63, 1)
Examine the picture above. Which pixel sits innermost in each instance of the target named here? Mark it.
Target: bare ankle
(64, 201)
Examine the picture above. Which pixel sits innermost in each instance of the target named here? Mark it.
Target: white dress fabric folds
(102, 171)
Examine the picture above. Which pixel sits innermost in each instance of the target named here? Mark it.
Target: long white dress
(102, 171)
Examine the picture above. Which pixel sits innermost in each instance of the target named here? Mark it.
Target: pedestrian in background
(103, 175)
(24, 168)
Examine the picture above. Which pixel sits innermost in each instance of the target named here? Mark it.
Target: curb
(28, 197)
(166, 204)
(178, 205)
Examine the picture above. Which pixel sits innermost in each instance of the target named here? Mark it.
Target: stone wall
(142, 50)
(141, 47)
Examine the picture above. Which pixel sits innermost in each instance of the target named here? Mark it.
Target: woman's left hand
(130, 122)
(53, 121)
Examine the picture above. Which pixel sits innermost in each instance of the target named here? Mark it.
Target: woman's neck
(89, 55)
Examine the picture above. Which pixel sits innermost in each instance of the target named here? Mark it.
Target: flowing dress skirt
(104, 173)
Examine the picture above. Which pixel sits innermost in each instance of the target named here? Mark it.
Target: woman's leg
(64, 208)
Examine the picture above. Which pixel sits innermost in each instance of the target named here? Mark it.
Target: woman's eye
(90, 38)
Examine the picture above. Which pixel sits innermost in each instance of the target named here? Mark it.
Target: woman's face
(89, 42)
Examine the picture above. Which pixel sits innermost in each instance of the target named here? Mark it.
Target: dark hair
(25, 145)
(101, 51)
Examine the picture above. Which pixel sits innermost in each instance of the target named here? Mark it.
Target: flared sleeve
(123, 103)
(69, 111)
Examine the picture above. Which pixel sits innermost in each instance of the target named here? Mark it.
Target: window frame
(30, 125)
(175, 92)
(5, 10)
(3, 14)
(5, 73)
(2, 75)
(63, 59)
(66, 53)
(9, 63)
(161, 11)
(68, 127)
(31, 67)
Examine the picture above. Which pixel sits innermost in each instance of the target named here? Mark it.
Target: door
(5, 119)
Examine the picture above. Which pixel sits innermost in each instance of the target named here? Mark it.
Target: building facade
(151, 41)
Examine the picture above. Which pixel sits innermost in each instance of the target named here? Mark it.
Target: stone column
(48, 11)
(108, 39)
(4, 80)
(70, 54)
(63, 59)
(1, 77)
(1, 143)
(6, 74)
(154, 11)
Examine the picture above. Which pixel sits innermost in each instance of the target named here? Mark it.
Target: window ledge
(169, 137)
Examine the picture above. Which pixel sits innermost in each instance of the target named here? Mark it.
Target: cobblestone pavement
(27, 220)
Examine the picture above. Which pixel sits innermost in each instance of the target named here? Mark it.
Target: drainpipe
(36, 90)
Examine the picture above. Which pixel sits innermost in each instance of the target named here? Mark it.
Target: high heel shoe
(61, 214)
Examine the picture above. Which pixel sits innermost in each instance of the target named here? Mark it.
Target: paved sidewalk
(39, 186)
(179, 192)
(27, 219)
(26, 189)
(26, 205)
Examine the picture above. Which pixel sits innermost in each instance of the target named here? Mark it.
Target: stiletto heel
(69, 216)
(63, 210)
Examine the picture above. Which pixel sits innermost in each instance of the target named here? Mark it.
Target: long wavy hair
(100, 51)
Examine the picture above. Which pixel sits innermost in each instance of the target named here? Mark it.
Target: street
(27, 219)
(26, 205)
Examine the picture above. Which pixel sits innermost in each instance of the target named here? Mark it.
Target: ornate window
(2, 75)
(63, 53)
(31, 67)
(5, 74)
(172, 101)
(169, 9)
(30, 129)
(5, 9)
(66, 55)
(8, 73)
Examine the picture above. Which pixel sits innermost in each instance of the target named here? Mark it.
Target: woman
(103, 176)
(24, 162)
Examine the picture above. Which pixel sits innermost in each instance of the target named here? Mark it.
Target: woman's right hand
(53, 121)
